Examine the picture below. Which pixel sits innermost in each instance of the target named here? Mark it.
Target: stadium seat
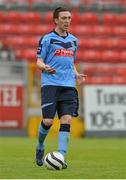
(23, 42)
(90, 70)
(91, 43)
(82, 30)
(26, 17)
(123, 56)
(74, 18)
(110, 19)
(119, 80)
(119, 31)
(24, 29)
(30, 17)
(2, 17)
(91, 55)
(102, 43)
(121, 71)
(99, 80)
(83, 43)
(102, 30)
(88, 18)
(47, 17)
(110, 56)
(25, 54)
(7, 29)
(14, 29)
(109, 43)
(13, 17)
(122, 19)
(79, 56)
(5, 41)
(122, 43)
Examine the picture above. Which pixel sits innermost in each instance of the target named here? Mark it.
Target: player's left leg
(63, 135)
(64, 132)
(67, 107)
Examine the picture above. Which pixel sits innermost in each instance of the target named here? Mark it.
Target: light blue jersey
(59, 53)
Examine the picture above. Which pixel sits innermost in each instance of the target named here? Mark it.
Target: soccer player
(55, 57)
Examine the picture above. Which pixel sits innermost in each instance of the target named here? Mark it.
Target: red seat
(84, 43)
(7, 29)
(26, 54)
(13, 17)
(96, 30)
(122, 19)
(119, 80)
(2, 17)
(119, 31)
(121, 71)
(110, 19)
(91, 55)
(47, 18)
(113, 43)
(24, 29)
(26, 17)
(21, 42)
(33, 30)
(90, 43)
(99, 80)
(82, 30)
(74, 18)
(30, 17)
(123, 56)
(102, 30)
(90, 70)
(88, 18)
(79, 56)
(101, 43)
(110, 43)
(122, 43)
(40, 29)
(110, 56)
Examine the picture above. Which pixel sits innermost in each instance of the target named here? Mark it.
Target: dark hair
(58, 10)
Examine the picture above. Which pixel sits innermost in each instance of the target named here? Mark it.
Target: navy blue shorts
(60, 100)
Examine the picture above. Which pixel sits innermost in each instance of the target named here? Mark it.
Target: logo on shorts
(64, 52)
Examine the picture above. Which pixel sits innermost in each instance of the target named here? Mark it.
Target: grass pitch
(87, 159)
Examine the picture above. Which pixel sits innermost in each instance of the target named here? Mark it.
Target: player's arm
(44, 67)
(79, 77)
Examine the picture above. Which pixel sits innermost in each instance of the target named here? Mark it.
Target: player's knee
(47, 122)
(66, 119)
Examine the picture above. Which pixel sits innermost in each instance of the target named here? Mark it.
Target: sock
(42, 133)
(63, 138)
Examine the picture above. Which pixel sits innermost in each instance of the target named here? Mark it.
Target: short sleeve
(42, 48)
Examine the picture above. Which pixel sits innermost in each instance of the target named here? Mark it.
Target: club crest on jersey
(72, 44)
(64, 52)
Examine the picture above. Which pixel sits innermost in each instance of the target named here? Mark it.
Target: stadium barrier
(13, 98)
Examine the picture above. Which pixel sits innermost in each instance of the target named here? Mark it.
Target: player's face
(63, 21)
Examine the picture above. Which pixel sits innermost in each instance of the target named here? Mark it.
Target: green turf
(87, 158)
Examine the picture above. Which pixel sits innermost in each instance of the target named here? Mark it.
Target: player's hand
(81, 78)
(49, 69)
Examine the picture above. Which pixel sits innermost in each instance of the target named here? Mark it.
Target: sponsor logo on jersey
(64, 52)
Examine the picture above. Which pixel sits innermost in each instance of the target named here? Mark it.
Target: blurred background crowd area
(100, 26)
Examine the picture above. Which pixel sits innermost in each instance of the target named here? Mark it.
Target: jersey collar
(59, 35)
